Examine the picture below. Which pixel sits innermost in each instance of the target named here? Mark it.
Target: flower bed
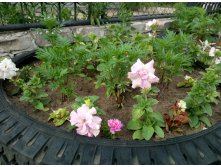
(125, 85)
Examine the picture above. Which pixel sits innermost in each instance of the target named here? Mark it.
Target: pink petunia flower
(87, 124)
(142, 75)
(114, 125)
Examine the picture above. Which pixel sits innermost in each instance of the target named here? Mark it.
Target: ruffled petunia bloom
(114, 125)
(142, 75)
(7, 69)
(87, 124)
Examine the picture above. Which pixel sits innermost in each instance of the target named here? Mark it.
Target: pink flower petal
(149, 67)
(74, 118)
(142, 75)
(83, 109)
(93, 111)
(145, 84)
(137, 65)
(86, 123)
(95, 132)
(82, 130)
(136, 82)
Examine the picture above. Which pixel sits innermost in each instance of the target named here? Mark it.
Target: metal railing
(26, 15)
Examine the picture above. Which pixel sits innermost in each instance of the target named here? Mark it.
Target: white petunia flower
(150, 23)
(212, 52)
(182, 105)
(206, 45)
(7, 69)
(217, 61)
(187, 77)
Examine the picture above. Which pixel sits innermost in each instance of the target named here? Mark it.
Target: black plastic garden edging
(22, 27)
(24, 140)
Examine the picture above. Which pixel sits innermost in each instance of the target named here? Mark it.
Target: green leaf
(218, 67)
(42, 94)
(82, 75)
(24, 98)
(99, 111)
(157, 115)
(205, 120)
(198, 125)
(152, 101)
(46, 109)
(51, 116)
(194, 121)
(70, 127)
(134, 125)
(136, 114)
(207, 109)
(155, 90)
(59, 122)
(90, 67)
(159, 131)
(93, 98)
(39, 105)
(147, 132)
(138, 135)
(63, 72)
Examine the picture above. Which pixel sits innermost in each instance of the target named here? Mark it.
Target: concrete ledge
(14, 43)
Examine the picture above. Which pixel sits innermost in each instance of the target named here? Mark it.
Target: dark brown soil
(86, 88)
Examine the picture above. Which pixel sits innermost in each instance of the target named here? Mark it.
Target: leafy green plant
(146, 122)
(203, 53)
(208, 55)
(170, 64)
(196, 21)
(96, 11)
(57, 66)
(202, 95)
(118, 33)
(188, 82)
(125, 14)
(60, 61)
(66, 14)
(23, 75)
(33, 92)
(52, 25)
(59, 116)
(173, 54)
(9, 13)
(90, 101)
(85, 49)
(105, 130)
(115, 62)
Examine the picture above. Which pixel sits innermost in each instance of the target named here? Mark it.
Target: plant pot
(24, 140)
